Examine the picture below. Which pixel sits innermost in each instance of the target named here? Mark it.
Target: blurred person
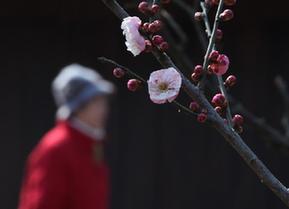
(66, 170)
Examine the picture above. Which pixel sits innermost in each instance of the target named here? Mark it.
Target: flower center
(163, 86)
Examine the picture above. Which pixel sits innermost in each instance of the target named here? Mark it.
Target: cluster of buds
(151, 10)
(147, 9)
(132, 84)
(152, 28)
(219, 102)
(202, 113)
(156, 40)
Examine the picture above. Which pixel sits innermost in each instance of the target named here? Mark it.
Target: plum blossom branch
(105, 60)
(217, 122)
(269, 133)
(212, 34)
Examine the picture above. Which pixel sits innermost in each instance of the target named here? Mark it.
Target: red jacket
(62, 173)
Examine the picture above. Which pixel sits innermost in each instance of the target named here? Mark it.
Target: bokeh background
(160, 159)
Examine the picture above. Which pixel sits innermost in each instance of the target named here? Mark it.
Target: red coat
(62, 173)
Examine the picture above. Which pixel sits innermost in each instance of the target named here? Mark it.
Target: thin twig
(110, 61)
(217, 122)
(261, 125)
(191, 11)
(211, 42)
(206, 18)
(282, 87)
(175, 26)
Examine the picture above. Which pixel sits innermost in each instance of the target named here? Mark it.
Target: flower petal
(135, 42)
(171, 78)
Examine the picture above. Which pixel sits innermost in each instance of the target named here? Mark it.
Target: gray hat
(74, 86)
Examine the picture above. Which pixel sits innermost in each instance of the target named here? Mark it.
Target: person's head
(82, 93)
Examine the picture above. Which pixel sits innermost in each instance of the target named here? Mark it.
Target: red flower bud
(199, 16)
(195, 77)
(194, 106)
(155, 26)
(145, 27)
(133, 84)
(238, 120)
(157, 40)
(202, 117)
(155, 9)
(118, 72)
(199, 70)
(227, 15)
(219, 100)
(231, 81)
(143, 7)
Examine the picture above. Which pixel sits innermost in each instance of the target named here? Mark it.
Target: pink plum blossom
(135, 42)
(221, 65)
(164, 85)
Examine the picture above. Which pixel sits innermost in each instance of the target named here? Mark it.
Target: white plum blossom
(164, 85)
(135, 42)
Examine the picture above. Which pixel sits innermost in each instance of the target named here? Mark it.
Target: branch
(212, 36)
(282, 87)
(267, 131)
(191, 11)
(217, 122)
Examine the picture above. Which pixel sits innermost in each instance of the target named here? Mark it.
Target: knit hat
(76, 85)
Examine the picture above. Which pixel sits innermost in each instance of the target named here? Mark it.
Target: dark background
(160, 159)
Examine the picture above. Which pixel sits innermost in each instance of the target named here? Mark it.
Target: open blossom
(221, 65)
(135, 42)
(164, 85)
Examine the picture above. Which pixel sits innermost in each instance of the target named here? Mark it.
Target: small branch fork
(263, 173)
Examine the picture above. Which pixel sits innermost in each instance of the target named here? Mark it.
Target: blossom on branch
(221, 65)
(135, 42)
(164, 85)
